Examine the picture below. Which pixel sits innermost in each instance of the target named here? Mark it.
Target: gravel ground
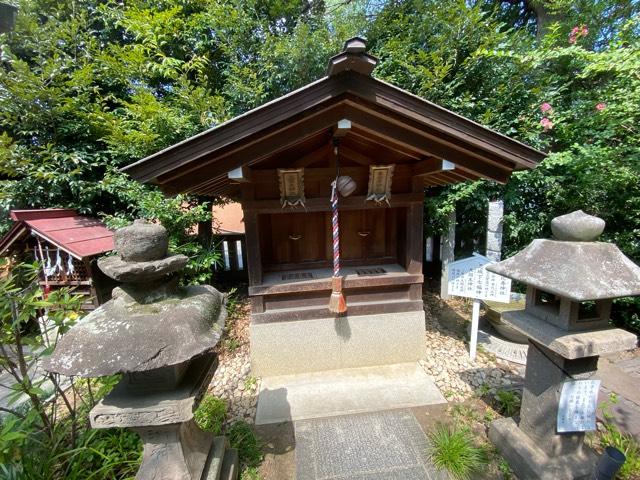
(447, 359)
(233, 381)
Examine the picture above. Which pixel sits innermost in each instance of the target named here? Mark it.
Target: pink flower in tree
(545, 107)
(578, 32)
(546, 124)
(601, 106)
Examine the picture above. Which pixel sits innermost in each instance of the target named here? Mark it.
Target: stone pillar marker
(447, 254)
(495, 214)
(571, 281)
(161, 338)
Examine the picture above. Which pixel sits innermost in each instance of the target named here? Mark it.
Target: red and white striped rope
(336, 229)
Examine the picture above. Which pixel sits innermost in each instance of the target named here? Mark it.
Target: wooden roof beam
(389, 96)
(428, 145)
(262, 147)
(356, 157)
(313, 157)
(452, 143)
(360, 136)
(427, 166)
(258, 120)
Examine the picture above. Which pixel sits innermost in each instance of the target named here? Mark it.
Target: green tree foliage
(560, 76)
(88, 86)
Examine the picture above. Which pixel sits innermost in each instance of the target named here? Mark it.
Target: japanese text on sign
(468, 278)
(577, 408)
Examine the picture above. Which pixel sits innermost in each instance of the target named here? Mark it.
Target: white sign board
(468, 278)
(577, 408)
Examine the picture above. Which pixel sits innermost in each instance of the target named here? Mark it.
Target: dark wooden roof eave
(235, 129)
(401, 101)
(374, 95)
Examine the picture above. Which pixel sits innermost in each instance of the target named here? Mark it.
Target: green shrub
(243, 438)
(231, 344)
(453, 449)
(234, 305)
(508, 402)
(210, 414)
(104, 455)
(250, 473)
(97, 454)
(250, 382)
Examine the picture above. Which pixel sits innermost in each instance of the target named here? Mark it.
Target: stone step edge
(230, 465)
(215, 459)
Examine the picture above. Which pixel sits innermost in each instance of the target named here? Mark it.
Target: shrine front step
(289, 398)
(352, 341)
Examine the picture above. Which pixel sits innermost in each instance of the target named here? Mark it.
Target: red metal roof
(76, 234)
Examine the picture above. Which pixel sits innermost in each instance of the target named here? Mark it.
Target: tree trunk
(543, 16)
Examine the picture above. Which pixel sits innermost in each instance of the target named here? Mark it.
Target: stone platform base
(529, 462)
(344, 392)
(285, 348)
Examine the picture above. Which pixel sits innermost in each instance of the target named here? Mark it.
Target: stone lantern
(571, 281)
(161, 338)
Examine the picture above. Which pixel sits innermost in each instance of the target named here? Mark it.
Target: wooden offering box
(343, 124)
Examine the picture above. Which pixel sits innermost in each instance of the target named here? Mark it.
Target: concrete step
(230, 465)
(213, 466)
(346, 391)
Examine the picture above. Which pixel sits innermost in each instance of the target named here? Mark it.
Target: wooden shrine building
(279, 161)
(66, 245)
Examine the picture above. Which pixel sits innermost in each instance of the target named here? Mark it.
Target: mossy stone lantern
(161, 337)
(571, 282)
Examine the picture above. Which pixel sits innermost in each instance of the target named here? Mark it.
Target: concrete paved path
(387, 445)
(622, 376)
(342, 392)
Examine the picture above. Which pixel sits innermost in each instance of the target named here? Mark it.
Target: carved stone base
(530, 462)
(176, 452)
(174, 447)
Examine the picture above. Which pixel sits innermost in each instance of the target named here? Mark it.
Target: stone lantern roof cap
(578, 270)
(149, 323)
(123, 336)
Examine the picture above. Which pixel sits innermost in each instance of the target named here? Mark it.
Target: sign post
(468, 278)
(475, 320)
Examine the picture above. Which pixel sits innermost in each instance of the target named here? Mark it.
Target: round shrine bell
(345, 185)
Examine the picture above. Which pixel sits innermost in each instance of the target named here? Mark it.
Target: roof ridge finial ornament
(353, 57)
(577, 227)
(355, 44)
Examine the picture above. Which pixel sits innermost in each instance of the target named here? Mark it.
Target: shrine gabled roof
(78, 235)
(380, 113)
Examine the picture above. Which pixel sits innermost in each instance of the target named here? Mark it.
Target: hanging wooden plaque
(291, 187)
(380, 183)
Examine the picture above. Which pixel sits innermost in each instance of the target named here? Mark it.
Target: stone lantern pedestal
(571, 282)
(161, 337)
